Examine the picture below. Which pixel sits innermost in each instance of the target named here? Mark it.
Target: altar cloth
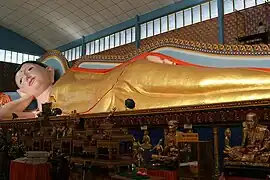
(26, 171)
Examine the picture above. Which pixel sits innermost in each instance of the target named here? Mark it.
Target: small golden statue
(227, 146)
(255, 144)
(171, 149)
(159, 149)
(146, 141)
(137, 151)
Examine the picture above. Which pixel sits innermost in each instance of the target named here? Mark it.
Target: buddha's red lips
(31, 82)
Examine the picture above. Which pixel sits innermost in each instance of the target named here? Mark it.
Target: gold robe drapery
(153, 85)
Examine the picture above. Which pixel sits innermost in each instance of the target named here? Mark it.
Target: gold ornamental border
(233, 112)
(51, 53)
(261, 49)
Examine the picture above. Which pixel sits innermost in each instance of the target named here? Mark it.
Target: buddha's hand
(36, 113)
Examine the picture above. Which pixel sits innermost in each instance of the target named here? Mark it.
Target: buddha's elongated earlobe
(51, 73)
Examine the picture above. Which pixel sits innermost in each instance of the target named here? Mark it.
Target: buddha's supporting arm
(17, 107)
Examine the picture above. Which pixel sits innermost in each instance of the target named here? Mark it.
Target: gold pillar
(216, 153)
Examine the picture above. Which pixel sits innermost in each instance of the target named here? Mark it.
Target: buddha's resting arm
(17, 107)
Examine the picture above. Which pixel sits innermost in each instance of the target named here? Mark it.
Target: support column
(216, 153)
(83, 46)
(220, 6)
(137, 32)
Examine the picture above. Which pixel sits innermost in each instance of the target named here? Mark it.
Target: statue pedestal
(243, 170)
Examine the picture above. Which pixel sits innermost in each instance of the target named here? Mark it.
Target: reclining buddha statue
(255, 143)
(152, 81)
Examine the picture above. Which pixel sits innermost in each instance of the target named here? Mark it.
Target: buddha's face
(251, 121)
(228, 133)
(33, 79)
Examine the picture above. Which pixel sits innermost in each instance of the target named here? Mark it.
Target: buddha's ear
(51, 73)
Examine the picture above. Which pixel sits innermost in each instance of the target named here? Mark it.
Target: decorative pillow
(4, 98)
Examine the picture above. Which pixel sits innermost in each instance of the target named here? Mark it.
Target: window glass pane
(205, 11)
(107, 42)
(101, 44)
(150, 29)
(92, 48)
(31, 57)
(67, 55)
(143, 31)
(196, 14)
(260, 2)
(187, 15)
(8, 56)
(20, 58)
(112, 41)
(117, 39)
(157, 26)
(179, 19)
(14, 57)
(239, 4)
(123, 37)
(228, 6)
(87, 48)
(78, 53)
(214, 9)
(133, 34)
(249, 3)
(171, 21)
(128, 35)
(73, 53)
(25, 57)
(164, 24)
(2, 55)
(96, 46)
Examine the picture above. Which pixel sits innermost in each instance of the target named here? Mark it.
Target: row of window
(236, 5)
(180, 19)
(160, 25)
(198, 13)
(16, 57)
(74, 53)
(111, 41)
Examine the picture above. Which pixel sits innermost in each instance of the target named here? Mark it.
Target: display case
(195, 160)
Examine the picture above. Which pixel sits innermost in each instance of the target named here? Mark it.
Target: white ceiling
(52, 23)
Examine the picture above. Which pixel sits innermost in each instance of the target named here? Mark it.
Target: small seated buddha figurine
(227, 143)
(146, 141)
(255, 143)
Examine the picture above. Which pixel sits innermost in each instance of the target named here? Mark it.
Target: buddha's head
(251, 120)
(33, 78)
(228, 132)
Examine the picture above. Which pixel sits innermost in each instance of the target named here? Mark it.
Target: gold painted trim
(57, 54)
(218, 49)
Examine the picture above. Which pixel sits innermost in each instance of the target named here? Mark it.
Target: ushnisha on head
(251, 120)
(33, 78)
